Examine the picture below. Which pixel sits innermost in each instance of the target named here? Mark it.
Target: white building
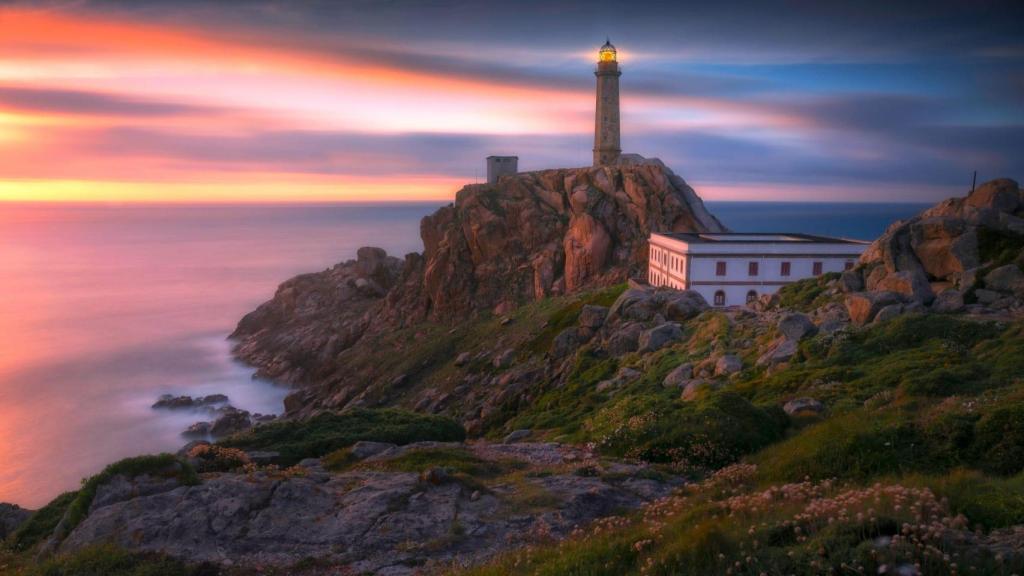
(735, 268)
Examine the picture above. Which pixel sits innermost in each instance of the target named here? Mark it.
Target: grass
(731, 525)
(808, 294)
(327, 432)
(106, 560)
(568, 315)
(40, 525)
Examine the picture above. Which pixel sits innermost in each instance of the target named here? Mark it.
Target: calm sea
(104, 308)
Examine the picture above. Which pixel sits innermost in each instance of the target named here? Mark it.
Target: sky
(389, 100)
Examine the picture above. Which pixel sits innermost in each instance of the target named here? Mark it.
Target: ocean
(103, 308)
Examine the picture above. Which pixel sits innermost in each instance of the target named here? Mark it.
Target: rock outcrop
(949, 247)
(538, 234)
(367, 520)
(529, 236)
(11, 517)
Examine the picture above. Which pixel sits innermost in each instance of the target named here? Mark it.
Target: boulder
(678, 376)
(851, 281)
(1002, 195)
(798, 405)
(517, 436)
(463, 359)
(565, 343)
(624, 376)
(796, 326)
(693, 389)
(592, 317)
(504, 358)
(888, 313)
(1007, 278)
(682, 305)
(659, 337)
(911, 285)
(624, 340)
(635, 304)
(197, 430)
(863, 306)
(231, 422)
(987, 296)
(948, 301)
(781, 352)
(944, 245)
(728, 364)
(169, 401)
(364, 449)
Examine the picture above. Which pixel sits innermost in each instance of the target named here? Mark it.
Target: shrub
(991, 502)
(324, 433)
(213, 458)
(41, 524)
(856, 446)
(999, 440)
(806, 295)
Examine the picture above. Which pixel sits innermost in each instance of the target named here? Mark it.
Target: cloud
(91, 103)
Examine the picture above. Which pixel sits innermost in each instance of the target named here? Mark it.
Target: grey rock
(516, 436)
(1008, 278)
(694, 388)
(678, 376)
(948, 301)
(851, 281)
(11, 517)
(263, 457)
(463, 359)
(364, 449)
(592, 317)
(504, 359)
(362, 519)
(624, 340)
(231, 422)
(659, 337)
(728, 364)
(798, 405)
(565, 343)
(779, 353)
(681, 305)
(888, 313)
(197, 430)
(987, 296)
(795, 326)
(863, 306)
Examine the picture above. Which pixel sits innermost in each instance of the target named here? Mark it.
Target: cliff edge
(531, 235)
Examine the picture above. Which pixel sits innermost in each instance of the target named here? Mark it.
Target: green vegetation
(106, 560)
(997, 247)
(453, 460)
(806, 295)
(730, 525)
(40, 525)
(568, 315)
(327, 432)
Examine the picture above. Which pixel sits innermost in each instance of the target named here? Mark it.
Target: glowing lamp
(607, 53)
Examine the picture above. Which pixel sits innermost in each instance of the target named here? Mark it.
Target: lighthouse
(606, 122)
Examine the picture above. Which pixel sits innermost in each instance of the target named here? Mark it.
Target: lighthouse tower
(606, 125)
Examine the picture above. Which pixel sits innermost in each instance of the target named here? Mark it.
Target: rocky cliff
(531, 235)
(960, 251)
(537, 234)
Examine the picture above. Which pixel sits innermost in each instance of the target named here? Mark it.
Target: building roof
(755, 238)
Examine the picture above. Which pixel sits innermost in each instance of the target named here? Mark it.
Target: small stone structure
(498, 166)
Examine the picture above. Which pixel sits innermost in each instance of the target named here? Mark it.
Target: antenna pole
(974, 181)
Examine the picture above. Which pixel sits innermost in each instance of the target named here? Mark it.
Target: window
(848, 265)
(752, 269)
(784, 271)
(720, 269)
(751, 296)
(817, 269)
(720, 298)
